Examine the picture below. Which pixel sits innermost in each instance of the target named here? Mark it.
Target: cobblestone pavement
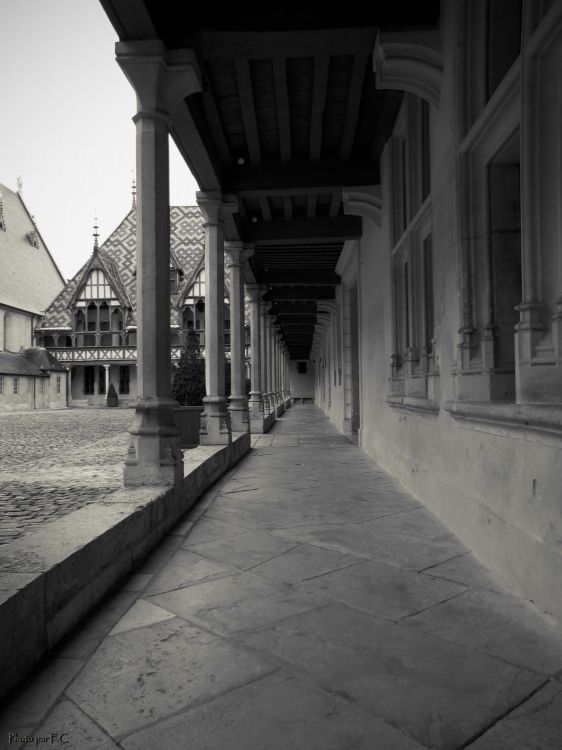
(54, 462)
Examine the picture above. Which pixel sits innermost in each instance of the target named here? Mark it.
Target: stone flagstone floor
(307, 603)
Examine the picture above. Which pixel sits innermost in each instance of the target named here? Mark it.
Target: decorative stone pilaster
(161, 80)
(256, 408)
(238, 406)
(215, 420)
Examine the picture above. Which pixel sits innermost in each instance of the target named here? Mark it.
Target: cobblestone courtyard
(54, 462)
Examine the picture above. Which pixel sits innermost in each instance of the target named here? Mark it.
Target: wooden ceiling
(289, 116)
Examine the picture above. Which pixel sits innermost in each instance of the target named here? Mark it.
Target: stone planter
(187, 419)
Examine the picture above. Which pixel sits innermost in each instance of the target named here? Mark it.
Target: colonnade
(161, 80)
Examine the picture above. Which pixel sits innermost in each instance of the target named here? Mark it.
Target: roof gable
(29, 277)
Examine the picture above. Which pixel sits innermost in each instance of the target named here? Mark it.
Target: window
(197, 290)
(15, 386)
(58, 383)
(124, 379)
(97, 286)
(43, 386)
(413, 356)
(89, 380)
(1, 385)
(173, 281)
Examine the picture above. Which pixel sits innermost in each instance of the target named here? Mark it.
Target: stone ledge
(545, 419)
(51, 577)
(413, 403)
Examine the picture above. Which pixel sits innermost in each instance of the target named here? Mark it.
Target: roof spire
(134, 190)
(96, 235)
(20, 184)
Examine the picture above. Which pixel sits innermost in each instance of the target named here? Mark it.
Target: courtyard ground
(54, 462)
(307, 603)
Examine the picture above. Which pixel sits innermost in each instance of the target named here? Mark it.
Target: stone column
(264, 307)
(215, 420)
(270, 375)
(256, 399)
(107, 381)
(2, 336)
(238, 406)
(161, 80)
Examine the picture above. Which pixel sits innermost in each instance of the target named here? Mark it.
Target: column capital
(214, 205)
(254, 292)
(161, 78)
(238, 252)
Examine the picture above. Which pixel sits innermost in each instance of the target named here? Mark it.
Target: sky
(65, 124)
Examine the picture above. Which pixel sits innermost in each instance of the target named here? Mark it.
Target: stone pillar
(215, 420)
(107, 381)
(264, 307)
(161, 80)
(238, 406)
(254, 292)
(278, 368)
(2, 336)
(269, 341)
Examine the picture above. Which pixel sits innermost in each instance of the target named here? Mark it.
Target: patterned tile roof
(118, 255)
(29, 277)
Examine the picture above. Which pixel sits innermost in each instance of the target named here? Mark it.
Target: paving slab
(144, 675)
(439, 693)
(495, 624)
(535, 725)
(277, 712)
(235, 603)
(382, 590)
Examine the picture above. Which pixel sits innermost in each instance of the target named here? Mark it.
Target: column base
(239, 416)
(154, 456)
(215, 422)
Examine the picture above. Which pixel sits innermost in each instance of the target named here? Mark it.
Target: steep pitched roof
(29, 277)
(118, 255)
(42, 359)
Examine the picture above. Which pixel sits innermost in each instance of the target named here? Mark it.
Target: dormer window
(33, 238)
(173, 280)
(197, 290)
(97, 287)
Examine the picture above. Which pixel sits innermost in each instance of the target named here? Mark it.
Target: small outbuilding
(32, 379)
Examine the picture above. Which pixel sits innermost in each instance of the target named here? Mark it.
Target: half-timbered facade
(91, 326)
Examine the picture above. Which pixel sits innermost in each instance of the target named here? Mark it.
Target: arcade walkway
(306, 603)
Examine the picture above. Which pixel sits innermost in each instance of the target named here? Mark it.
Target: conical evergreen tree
(188, 385)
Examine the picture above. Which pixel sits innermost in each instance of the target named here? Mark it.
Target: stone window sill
(545, 419)
(413, 404)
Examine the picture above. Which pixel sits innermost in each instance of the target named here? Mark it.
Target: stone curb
(51, 577)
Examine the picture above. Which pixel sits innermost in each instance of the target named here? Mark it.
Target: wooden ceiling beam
(286, 309)
(304, 293)
(319, 91)
(323, 176)
(268, 45)
(283, 111)
(311, 206)
(353, 104)
(287, 207)
(195, 151)
(335, 204)
(248, 110)
(302, 231)
(215, 126)
(321, 277)
(264, 208)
